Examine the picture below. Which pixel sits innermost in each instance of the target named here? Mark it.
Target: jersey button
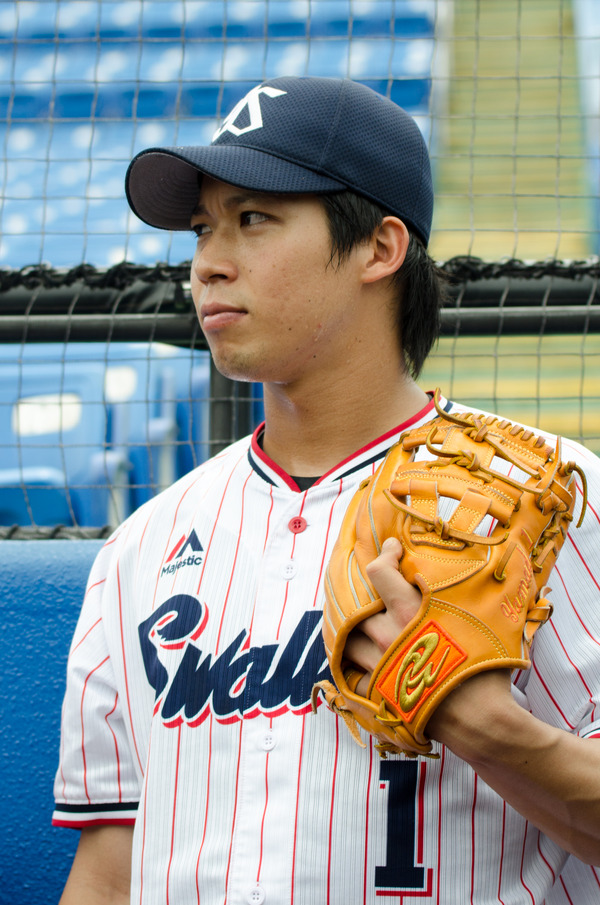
(297, 525)
(268, 741)
(289, 570)
(256, 896)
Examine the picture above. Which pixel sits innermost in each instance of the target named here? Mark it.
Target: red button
(297, 525)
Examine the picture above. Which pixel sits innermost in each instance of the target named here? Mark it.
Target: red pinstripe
(262, 822)
(235, 556)
(301, 759)
(88, 591)
(187, 532)
(89, 631)
(87, 678)
(544, 859)
(439, 833)
(333, 784)
(473, 836)
(212, 534)
(208, 775)
(367, 803)
(216, 650)
(174, 813)
(235, 799)
(287, 587)
(117, 758)
(268, 517)
(562, 883)
(421, 811)
(583, 560)
(523, 883)
(326, 544)
(168, 541)
(248, 641)
(143, 851)
(315, 601)
(61, 748)
(575, 668)
(500, 899)
(551, 696)
(111, 540)
(574, 608)
(125, 675)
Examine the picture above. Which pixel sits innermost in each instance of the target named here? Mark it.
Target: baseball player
(190, 759)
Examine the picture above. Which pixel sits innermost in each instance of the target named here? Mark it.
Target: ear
(386, 250)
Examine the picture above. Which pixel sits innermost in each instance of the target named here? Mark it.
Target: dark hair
(421, 285)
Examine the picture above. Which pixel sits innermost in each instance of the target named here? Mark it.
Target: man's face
(270, 303)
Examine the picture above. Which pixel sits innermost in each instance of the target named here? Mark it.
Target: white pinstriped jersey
(188, 711)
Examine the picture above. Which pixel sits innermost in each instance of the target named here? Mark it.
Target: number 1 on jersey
(400, 871)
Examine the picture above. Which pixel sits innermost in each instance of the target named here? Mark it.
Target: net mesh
(101, 361)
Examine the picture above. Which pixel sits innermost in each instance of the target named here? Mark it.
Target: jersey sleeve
(98, 780)
(562, 687)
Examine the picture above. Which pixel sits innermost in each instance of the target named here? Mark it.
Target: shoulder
(216, 471)
(157, 521)
(570, 449)
(579, 553)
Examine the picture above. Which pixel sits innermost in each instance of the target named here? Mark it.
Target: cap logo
(252, 102)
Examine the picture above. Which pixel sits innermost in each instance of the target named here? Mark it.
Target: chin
(239, 368)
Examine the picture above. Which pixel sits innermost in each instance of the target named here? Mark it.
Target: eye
(200, 229)
(252, 218)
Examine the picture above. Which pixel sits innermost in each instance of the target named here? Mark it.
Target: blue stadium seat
(152, 410)
(53, 429)
(93, 431)
(34, 495)
(70, 139)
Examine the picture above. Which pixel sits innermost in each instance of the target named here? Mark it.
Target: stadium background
(106, 391)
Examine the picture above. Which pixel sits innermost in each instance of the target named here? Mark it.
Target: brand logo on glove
(419, 668)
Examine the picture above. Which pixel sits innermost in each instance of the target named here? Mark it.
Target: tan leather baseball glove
(481, 521)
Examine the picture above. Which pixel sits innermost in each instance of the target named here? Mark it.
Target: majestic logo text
(176, 560)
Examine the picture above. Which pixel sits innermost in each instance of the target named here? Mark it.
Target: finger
(401, 598)
(361, 650)
(362, 688)
(367, 642)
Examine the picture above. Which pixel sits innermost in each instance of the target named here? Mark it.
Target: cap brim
(162, 183)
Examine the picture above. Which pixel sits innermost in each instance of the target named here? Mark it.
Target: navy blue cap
(296, 135)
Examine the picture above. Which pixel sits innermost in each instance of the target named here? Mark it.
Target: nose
(214, 260)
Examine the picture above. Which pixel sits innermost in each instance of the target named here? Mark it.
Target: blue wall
(42, 588)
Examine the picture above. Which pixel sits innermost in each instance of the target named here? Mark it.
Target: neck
(309, 430)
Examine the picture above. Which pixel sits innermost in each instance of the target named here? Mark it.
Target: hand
(402, 600)
(366, 645)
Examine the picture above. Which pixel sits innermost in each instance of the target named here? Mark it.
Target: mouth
(215, 316)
